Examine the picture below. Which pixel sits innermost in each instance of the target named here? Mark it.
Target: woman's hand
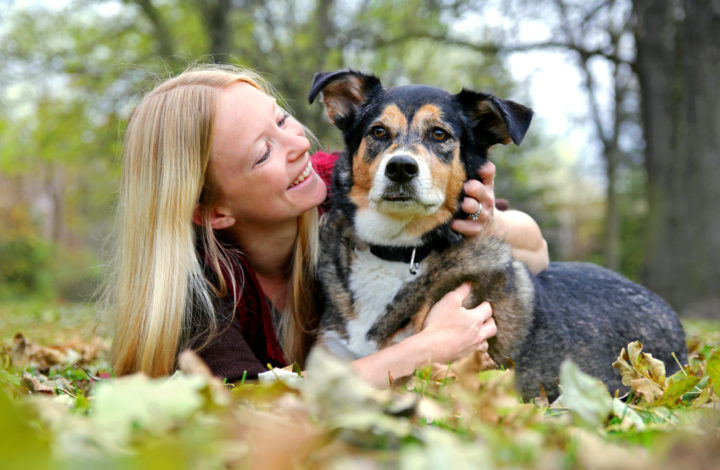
(453, 331)
(518, 229)
(450, 333)
(479, 203)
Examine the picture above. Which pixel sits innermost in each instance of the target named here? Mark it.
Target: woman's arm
(450, 333)
(518, 229)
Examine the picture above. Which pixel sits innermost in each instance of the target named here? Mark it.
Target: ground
(61, 407)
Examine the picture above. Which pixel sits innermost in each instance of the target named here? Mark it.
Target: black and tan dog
(388, 253)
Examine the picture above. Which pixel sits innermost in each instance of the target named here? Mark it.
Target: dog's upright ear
(343, 92)
(495, 120)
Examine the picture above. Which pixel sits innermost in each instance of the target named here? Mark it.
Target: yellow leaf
(647, 388)
(640, 371)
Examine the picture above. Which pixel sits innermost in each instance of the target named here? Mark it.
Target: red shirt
(248, 344)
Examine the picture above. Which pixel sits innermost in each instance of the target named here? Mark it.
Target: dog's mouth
(398, 194)
(397, 197)
(402, 201)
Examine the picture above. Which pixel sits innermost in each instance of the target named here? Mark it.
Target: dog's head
(409, 151)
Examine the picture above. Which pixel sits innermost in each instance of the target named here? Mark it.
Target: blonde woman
(218, 222)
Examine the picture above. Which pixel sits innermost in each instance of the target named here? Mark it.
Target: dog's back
(588, 314)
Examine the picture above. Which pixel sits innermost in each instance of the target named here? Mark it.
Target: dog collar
(412, 255)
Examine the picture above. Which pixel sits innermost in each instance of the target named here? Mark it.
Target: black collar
(404, 254)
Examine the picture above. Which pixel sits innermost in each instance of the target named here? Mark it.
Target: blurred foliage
(73, 71)
(61, 407)
(25, 267)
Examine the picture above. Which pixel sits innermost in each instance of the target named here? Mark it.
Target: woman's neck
(269, 249)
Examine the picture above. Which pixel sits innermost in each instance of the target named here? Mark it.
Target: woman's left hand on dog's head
(478, 203)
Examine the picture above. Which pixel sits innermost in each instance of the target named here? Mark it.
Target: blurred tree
(66, 97)
(596, 35)
(678, 65)
(661, 60)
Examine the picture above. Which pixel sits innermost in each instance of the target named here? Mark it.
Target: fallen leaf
(40, 384)
(713, 370)
(137, 402)
(594, 453)
(192, 364)
(629, 418)
(640, 371)
(677, 385)
(26, 353)
(586, 397)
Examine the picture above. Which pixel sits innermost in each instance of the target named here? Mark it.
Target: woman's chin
(309, 193)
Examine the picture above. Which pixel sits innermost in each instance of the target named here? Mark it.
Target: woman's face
(259, 161)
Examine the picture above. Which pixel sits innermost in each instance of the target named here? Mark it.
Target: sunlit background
(74, 69)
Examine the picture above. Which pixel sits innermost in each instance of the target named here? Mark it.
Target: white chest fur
(374, 283)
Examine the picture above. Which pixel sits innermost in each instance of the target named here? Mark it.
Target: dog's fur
(399, 185)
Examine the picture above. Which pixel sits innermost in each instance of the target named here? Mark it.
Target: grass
(60, 407)
(50, 323)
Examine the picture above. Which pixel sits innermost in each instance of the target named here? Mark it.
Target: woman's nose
(298, 146)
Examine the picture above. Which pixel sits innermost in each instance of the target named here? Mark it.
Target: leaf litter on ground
(62, 402)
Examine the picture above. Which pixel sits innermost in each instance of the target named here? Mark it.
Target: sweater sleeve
(323, 164)
(245, 342)
(229, 356)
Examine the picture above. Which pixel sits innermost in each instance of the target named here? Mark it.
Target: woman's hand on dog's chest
(453, 332)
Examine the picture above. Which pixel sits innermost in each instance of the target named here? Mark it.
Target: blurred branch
(162, 32)
(497, 48)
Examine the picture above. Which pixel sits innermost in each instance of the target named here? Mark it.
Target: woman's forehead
(243, 96)
(241, 117)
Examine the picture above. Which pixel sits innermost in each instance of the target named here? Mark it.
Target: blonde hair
(159, 292)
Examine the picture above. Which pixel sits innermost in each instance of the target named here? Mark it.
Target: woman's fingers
(487, 174)
(478, 203)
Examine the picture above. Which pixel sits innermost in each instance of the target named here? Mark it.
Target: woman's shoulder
(323, 164)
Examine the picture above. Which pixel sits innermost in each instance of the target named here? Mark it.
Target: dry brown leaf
(76, 351)
(642, 372)
(649, 390)
(281, 439)
(190, 363)
(41, 384)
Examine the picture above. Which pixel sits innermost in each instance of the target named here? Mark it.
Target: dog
(388, 252)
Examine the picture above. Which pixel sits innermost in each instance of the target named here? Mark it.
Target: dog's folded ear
(343, 91)
(493, 119)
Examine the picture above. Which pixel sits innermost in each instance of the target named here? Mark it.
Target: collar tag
(413, 265)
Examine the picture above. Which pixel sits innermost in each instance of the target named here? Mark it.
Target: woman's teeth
(303, 175)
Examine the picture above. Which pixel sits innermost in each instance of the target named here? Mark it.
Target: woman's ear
(219, 218)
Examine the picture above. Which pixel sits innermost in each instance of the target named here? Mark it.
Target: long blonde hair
(158, 290)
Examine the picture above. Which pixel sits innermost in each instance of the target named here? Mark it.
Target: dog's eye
(379, 132)
(439, 134)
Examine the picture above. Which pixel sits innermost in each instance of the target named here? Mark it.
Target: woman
(218, 235)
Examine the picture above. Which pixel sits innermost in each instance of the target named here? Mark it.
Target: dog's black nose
(401, 169)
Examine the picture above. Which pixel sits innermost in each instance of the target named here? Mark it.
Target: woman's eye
(264, 156)
(379, 132)
(282, 120)
(439, 135)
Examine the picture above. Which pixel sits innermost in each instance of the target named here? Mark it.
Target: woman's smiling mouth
(306, 172)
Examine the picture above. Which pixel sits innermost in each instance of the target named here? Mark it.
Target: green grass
(50, 323)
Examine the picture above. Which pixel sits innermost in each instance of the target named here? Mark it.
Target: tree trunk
(216, 18)
(611, 234)
(678, 65)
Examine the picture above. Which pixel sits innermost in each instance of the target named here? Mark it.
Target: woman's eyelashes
(264, 157)
(281, 122)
